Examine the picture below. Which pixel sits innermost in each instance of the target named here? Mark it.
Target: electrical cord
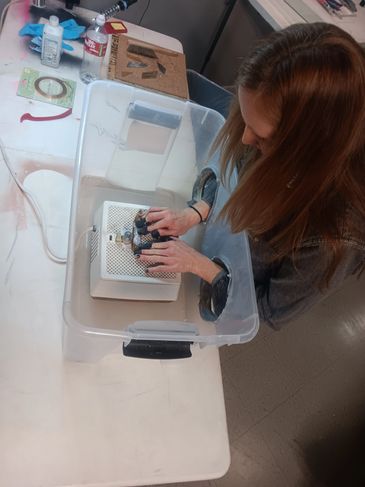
(34, 205)
(145, 11)
(4, 12)
(83, 233)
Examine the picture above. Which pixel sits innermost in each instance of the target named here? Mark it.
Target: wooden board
(147, 65)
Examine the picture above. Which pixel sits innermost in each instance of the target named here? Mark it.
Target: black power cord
(229, 6)
(145, 11)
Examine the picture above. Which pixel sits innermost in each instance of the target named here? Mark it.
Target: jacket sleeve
(291, 288)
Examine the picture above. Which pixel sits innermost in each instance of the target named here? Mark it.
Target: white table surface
(122, 421)
(279, 15)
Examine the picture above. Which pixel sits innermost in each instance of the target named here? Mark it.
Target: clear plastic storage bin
(139, 148)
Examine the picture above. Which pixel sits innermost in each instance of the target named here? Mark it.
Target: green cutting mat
(47, 88)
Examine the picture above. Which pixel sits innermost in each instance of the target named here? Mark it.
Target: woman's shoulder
(352, 233)
(354, 228)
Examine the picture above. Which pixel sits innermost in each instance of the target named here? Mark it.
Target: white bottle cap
(53, 20)
(100, 19)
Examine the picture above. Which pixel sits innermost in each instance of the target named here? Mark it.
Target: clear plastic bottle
(52, 43)
(96, 42)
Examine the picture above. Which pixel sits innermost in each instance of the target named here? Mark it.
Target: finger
(161, 259)
(157, 252)
(161, 225)
(157, 225)
(164, 231)
(159, 268)
(156, 215)
(161, 245)
(157, 208)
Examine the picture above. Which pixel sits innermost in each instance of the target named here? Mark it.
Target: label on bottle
(50, 50)
(95, 48)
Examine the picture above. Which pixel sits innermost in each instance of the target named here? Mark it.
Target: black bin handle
(157, 349)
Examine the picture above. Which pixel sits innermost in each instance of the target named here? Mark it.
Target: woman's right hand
(170, 222)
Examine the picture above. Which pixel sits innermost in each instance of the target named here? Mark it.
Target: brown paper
(147, 65)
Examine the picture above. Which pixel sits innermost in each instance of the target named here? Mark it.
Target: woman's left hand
(177, 256)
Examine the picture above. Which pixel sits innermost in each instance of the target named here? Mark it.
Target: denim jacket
(286, 289)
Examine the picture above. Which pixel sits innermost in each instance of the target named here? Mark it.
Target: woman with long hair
(296, 136)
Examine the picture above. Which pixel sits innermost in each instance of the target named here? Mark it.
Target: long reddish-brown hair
(312, 79)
